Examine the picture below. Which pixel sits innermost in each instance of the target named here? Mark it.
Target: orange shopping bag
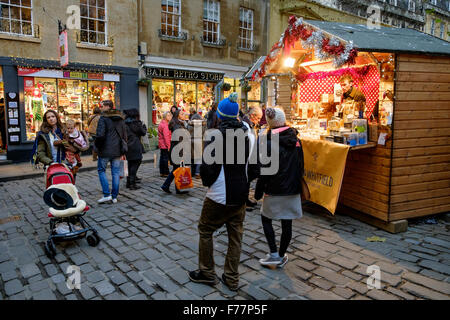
(183, 178)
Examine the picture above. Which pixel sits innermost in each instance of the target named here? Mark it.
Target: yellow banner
(324, 170)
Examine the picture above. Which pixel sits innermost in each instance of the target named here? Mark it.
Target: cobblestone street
(150, 240)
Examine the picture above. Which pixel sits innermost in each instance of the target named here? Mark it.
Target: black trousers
(133, 166)
(286, 235)
(164, 162)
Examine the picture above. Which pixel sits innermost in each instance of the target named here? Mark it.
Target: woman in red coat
(164, 136)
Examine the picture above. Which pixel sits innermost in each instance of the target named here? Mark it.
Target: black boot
(138, 180)
(128, 182)
(133, 185)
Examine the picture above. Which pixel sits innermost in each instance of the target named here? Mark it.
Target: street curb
(41, 173)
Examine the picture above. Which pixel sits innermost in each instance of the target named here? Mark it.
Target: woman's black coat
(135, 130)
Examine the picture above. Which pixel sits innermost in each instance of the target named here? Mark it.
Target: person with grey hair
(251, 121)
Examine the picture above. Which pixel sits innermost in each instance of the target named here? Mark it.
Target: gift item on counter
(352, 139)
(359, 125)
(373, 132)
(362, 138)
(323, 123)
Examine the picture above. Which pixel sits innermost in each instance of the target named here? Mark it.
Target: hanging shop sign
(183, 74)
(63, 49)
(12, 112)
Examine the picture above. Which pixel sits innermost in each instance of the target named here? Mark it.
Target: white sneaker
(105, 199)
(283, 262)
(269, 261)
(114, 200)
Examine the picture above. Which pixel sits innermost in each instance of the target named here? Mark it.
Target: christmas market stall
(372, 110)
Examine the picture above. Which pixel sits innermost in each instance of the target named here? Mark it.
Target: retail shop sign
(83, 75)
(63, 49)
(183, 74)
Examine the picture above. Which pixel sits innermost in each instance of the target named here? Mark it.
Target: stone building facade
(190, 51)
(437, 18)
(103, 64)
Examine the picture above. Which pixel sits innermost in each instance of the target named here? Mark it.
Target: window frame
(441, 33)
(167, 13)
(246, 42)
(393, 3)
(105, 21)
(20, 20)
(412, 5)
(433, 27)
(208, 20)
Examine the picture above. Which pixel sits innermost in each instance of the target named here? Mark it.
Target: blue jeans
(115, 172)
(170, 178)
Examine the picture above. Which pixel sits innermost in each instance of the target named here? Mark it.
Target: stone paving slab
(150, 241)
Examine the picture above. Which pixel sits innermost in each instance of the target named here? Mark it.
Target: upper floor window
(211, 21)
(432, 29)
(94, 24)
(411, 5)
(170, 17)
(441, 34)
(393, 2)
(434, 2)
(16, 17)
(245, 28)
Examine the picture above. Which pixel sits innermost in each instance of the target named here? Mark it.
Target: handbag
(305, 190)
(123, 143)
(183, 178)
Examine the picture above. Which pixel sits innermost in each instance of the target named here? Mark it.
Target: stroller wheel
(93, 239)
(50, 250)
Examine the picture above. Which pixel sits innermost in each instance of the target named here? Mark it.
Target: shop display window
(72, 99)
(40, 95)
(205, 97)
(255, 92)
(163, 99)
(186, 95)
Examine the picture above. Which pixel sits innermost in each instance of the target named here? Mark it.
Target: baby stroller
(66, 210)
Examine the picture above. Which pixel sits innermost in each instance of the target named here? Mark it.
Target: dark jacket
(196, 141)
(237, 176)
(135, 130)
(287, 181)
(108, 141)
(176, 124)
(44, 150)
(212, 120)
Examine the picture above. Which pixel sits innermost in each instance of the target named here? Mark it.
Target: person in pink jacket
(164, 137)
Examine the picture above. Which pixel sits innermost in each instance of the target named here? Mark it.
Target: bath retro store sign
(324, 170)
(183, 74)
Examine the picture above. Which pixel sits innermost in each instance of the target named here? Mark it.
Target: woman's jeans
(115, 172)
(195, 169)
(164, 162)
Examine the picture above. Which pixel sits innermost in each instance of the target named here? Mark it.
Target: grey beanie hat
(275, 117)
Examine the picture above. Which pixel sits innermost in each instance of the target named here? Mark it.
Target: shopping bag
(183, 178)
(146, 143)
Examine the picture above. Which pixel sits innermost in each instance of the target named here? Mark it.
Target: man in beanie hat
(224, 202)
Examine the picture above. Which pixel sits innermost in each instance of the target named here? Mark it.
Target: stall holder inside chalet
(372, 109)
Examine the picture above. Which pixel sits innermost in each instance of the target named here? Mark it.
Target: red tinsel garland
(357, 73)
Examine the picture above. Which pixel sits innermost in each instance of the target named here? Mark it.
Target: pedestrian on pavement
(212, 119)
(164, 137)
(92, 129)
(281, 191)
(196, 121)
(173, 109)
(135, 130)
(251, 120)
(224, 202)
(52, 130)
(177, 123)
(111, 143)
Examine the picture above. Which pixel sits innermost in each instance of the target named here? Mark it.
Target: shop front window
(3, 139)
(186, 95)
(163, 99)
(72, 98)
(40, 95)
(205, 97)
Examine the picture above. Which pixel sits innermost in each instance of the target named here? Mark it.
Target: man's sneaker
(230, 286)
(283, 262)
(114, 200)
(105, 199)
(198, 277)
(270, 262)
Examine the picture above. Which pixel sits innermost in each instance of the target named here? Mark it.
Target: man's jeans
(115, 171)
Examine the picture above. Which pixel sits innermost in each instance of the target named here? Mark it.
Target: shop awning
(255, 66)
(385, 39)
